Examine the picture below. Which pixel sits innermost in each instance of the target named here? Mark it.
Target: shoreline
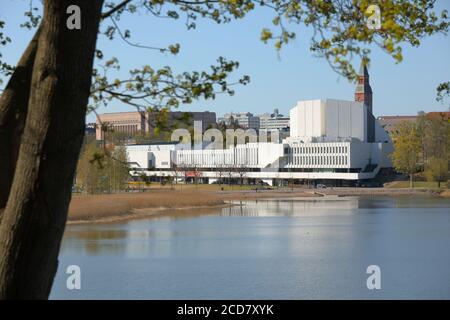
(146, 213)
(106, 208)
(111, 208)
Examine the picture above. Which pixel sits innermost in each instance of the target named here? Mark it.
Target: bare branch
(115, 9)
(124, 38)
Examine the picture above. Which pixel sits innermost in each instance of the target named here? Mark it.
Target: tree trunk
(35, 215)
(411, 184)
(13, 111)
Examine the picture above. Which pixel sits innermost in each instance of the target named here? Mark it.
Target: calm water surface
(267, 249)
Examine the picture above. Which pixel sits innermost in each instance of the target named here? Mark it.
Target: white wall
(138, 154)
(360, 155)
(268, 153)
(329, 120)
(345, 119)
(380, 134)
(319, 155)
(378, 153)
(306, 119)
(159, 154)
(254, 155)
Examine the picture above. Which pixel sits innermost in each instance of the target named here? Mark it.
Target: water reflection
(134, 238)
(267, 249)
(291, 207)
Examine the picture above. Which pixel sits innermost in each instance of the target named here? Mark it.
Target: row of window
(317, 161)
(250, 159)
(318, 149)
(126, 128)
(123, 121)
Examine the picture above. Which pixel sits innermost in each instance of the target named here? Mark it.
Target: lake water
(267, 249)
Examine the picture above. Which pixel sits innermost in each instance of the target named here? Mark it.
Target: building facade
(330, 140)
(274, 121)
(364, 94)
(244, 120)
(130, 123)
(329, 120)
(389, 123)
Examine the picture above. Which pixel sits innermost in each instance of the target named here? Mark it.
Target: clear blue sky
(276, 81)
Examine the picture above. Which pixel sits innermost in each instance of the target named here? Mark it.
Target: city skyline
(277, 80)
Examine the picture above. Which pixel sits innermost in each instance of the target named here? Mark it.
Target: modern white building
(330, 140)
(257, 155)
(147, 157)
(328, 120)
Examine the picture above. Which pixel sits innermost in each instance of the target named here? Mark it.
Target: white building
(330, 140)
(329, 120)
(147, 157)
(257, 155)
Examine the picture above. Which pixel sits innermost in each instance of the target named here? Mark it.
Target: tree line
(102, 169)
(423, 146)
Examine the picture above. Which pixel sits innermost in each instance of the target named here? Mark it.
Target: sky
(278, 80)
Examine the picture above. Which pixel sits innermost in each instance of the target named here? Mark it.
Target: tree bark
(13, 111)
(36, 211)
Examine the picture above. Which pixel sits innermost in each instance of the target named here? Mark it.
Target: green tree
(421, 129)
(437, 170)
(407, 148)
(436, 136)
(56, 75)
(119, 170)
(443, 91)
(89, 168)
(437, 146)
(102, 170)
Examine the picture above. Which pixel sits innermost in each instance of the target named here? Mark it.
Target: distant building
(141, 121)
(124, 122)
(274, 121)
(389, 123)
(90, 129)
(444, 115)
(244, 120)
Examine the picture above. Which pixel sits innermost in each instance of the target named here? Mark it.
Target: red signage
(193, 174)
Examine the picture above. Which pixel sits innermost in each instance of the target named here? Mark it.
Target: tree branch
(115, 9)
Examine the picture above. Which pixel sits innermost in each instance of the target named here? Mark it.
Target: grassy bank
(109, 207)
(445, 194)
(416, 184)
(98, 207)
(162, 200)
